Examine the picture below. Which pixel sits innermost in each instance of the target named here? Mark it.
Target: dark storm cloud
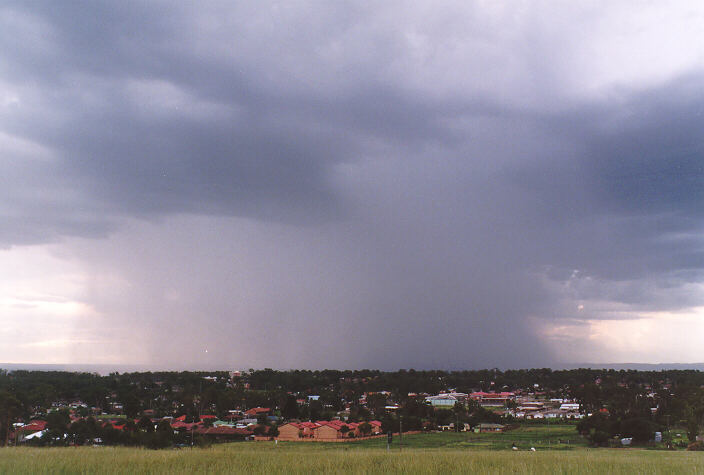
(435, 168)
(140, 124)
(625, 201)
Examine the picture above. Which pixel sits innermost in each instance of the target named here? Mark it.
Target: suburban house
(325, 430)
(257, 411)
(290, 431)
(488, 427)
(28, 431)
(493, 399)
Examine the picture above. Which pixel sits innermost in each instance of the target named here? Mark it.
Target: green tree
(639, 428)
(290, 409)
(131, 405)
(692, 428)
(365, 428)
(57, 426)
(598, 437)
(274, 431)
(10, 408)
(145, 424)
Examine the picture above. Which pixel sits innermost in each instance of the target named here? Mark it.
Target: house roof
(34, 426)
(35, 435)
(184, 425)
(257, 410)
(222, 430)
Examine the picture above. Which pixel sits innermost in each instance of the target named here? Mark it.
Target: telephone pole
(400, 432)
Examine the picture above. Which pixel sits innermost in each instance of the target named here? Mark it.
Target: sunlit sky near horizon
(351, 185)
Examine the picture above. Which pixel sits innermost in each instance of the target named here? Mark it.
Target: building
(446, 401)
(488, 427)
(290, 431)
(257, 411)
(493, 399)
(326, 430)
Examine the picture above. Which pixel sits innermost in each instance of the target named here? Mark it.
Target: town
(176, 409)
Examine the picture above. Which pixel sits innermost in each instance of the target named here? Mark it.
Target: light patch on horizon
(646, 47)
(645, 337)
(45, 318)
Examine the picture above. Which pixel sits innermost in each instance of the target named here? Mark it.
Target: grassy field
(326, 458)
(444, 452)
(560, 437)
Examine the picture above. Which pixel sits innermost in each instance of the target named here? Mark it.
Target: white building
(442, 400)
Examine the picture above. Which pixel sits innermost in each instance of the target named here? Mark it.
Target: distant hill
(636, 366)
(105, 369)
(102, 369)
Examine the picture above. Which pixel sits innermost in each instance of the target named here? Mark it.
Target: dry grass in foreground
(265, 458)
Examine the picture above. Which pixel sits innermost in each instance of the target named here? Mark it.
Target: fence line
(346, 439)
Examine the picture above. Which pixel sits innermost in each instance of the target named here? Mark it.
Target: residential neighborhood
(196, 408)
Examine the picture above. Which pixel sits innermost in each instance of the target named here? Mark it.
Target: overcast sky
(348, 184)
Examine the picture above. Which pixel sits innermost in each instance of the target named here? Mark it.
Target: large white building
(446, 400)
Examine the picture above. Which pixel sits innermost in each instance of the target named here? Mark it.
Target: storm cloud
(345, 185)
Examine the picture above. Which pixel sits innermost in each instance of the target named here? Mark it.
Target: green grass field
(312, 458)
(421, 453)
(552, 437)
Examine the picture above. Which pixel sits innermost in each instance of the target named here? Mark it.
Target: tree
(598, 437)
(692, 428)
(377, 404)
(290, 409)
(57, 425)
(10, 408)
(639, 428)
(145, 424)
(389, 424)
(365, 428)
(261, 429)
(131, 405)
(596, 429)
(274, 431)
(161, 438)
(444, 416)
(315, 410)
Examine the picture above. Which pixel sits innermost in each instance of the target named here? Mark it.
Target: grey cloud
(430, 173)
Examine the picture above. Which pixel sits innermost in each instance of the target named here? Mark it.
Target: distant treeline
(43, 387)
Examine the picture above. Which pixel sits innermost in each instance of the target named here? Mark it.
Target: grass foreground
(255, 457)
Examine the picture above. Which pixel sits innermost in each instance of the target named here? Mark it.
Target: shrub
(599, 437)
(697, 446)
(639, 428)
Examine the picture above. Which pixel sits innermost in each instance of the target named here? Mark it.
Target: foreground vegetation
(318, 458)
